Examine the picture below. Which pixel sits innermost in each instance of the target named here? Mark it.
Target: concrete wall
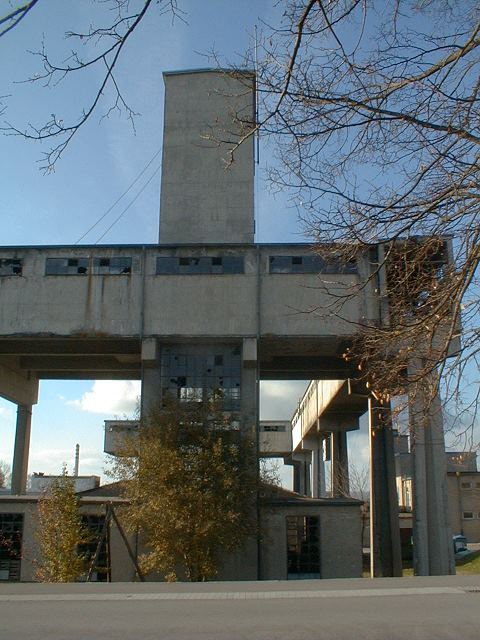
(205, 197)
(340, 540)
(340, 531)
(143, 303)
(69, 305)
(122, 567)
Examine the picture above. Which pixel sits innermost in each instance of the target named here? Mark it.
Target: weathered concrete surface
(396, 608)
(207, 197)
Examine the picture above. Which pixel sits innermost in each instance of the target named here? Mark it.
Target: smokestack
(77, 460)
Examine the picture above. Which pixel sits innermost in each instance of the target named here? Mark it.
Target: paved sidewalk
(383, 609)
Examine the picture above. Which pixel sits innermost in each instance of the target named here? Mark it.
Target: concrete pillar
(441, 555)
(301, 474)
(151, 380)
(249, 386)
(339, 464)
(432, 540)
(318, 470)
(21, 450)
(385, 549)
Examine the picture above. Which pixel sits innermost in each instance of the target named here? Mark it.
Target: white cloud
(115, 397)
(279, 398)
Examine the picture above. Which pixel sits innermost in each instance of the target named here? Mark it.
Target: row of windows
(80, 266)
(171, 265)
(192, 265)
(470, 485)
(470, 515)
(309, 264)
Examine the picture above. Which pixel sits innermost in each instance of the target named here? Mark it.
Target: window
(95, 525)
(199, 265)
(11, 530)
(303, 552)
(66, 266)
(466, 485)
(112, 266)
(275, 428)
(467, 515)
(10, 267)
(309, 264)
(198, 372)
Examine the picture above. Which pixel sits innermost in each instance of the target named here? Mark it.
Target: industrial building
(207, 308)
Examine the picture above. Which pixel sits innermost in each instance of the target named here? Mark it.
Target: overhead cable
(122, 196)
(130, 204)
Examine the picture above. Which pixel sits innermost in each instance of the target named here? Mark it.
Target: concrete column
(22, 448)
(441, 555)
(385, 549)
(432, 540)
(339, 464)
(318, 470)
(301, 474)
(249, 386)
(151, 381)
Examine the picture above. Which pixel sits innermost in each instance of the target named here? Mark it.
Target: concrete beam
(20, 387)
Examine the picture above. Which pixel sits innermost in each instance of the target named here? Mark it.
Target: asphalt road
(406, 608)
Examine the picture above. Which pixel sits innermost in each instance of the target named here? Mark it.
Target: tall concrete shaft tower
(207, 195)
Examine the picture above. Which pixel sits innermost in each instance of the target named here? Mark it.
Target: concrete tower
(207, 193)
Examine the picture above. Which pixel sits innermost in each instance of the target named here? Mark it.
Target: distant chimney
(77, 460)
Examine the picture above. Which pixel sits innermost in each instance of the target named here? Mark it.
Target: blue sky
(103, 161)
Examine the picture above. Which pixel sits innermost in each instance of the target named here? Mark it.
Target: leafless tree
(14, 15)
(97, 51)
(374, 109)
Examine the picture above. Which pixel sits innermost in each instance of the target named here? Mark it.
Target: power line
(130, 204)
(123, 195)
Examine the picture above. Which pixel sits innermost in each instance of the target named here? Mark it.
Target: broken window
(310, 264)
(112, 266)
(199, 372)
(66, 266)
(10, 267)
(95, 525)
(303, 547)
(193, 265)
(11, 532)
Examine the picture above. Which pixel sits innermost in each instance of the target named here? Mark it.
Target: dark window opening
(66, 266)
(169, 265)
(303, 547)
(112, 266)
(310, 264)
(10, 267)
(273, 428)
(203, 373)
(11, 533)
(95, 525)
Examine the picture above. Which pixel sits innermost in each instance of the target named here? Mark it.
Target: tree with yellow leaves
(59, 534)
(191, 482)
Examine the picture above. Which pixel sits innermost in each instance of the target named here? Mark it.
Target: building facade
(207, 309)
